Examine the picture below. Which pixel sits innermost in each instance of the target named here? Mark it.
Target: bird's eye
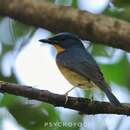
(62, 39)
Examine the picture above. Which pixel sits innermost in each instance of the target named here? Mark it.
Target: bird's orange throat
(58, 48)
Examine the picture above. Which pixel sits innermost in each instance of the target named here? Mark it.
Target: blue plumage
(77, 59)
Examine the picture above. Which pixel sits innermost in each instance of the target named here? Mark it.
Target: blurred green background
(17, 113)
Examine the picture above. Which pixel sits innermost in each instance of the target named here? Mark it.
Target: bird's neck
(58, 48)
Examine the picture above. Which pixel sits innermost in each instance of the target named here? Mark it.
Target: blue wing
(80, 61)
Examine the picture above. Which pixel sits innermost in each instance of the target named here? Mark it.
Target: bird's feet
(66, 94)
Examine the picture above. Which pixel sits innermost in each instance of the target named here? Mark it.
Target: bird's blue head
(64, 40)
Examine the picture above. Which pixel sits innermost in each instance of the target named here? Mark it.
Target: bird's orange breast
(75, 79)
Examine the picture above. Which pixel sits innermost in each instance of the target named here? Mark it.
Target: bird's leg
(66, 94)
(69, 90)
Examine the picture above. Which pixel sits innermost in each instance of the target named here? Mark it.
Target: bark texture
(82, 105)
(97, 28)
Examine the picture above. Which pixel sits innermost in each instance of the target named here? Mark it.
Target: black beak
(46, 41)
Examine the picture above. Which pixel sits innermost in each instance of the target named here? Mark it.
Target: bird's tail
(105, 87)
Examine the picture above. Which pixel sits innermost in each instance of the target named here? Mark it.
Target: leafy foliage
(33, 116)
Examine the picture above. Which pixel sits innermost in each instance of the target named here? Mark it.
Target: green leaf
(118, 72)
(99, 50)
(20, 29)
(33, 116)
(7, 100)
(121, 3)
(74, 3)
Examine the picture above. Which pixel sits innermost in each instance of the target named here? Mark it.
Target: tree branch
(83, 105)
(98, 28)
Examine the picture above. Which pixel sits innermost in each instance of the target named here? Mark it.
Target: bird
(77, 65)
